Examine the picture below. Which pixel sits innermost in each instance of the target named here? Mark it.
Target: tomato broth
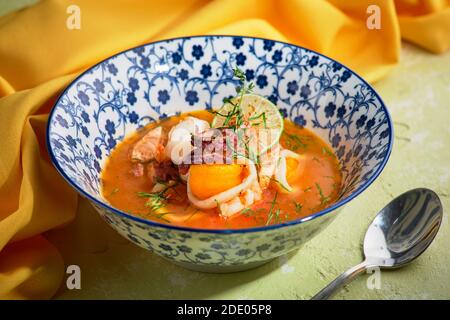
(317, 187)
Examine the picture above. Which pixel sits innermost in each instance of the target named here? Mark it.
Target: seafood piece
(245, 199)
(267, 166)
(179, 143)
(150, 146)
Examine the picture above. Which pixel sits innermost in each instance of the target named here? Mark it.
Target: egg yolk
(207, 180)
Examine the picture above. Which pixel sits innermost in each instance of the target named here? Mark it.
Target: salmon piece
(150, 146)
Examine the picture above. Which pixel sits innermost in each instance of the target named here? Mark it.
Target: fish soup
(142, 180)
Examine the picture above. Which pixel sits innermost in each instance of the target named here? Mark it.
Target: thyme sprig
(235, 117)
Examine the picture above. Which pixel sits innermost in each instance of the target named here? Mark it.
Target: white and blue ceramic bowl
(129, 90)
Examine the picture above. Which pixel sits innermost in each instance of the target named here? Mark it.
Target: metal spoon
(399, 233)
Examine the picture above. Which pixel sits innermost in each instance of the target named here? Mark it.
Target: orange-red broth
(318, 187)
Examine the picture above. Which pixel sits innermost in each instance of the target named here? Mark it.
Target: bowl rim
(318, 214)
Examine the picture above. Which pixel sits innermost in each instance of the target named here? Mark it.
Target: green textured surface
(417, 93)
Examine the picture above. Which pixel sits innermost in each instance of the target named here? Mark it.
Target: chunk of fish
(268, 166)
(244, 200)
(231, 207)
(179, 142)
(150, 146)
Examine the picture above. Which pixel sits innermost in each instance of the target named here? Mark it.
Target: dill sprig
(245, 141)
(248, 212)
(280, 184)
(298, 206)
(294, 142)
(323, 199)
(327, 151)
(158, 200)
(317, 160)
(273, 213)
(192, 214)
(114, 191)
(262, 115)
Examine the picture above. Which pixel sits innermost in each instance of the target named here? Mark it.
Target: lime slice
(258, 113)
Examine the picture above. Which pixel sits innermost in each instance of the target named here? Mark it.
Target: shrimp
(179, 144)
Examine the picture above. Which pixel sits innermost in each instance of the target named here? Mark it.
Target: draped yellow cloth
(39, 56)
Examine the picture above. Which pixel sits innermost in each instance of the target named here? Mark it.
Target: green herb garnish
(327, 151)
(250, 212)
(158, 200)
(317, 160)
(271, 212)
(294, 142)
(193, 214)
(236, 113)
(298, 207)
(114, 191)
(280, 184)
(262, 115)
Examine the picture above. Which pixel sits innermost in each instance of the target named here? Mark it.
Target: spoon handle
(340, 281)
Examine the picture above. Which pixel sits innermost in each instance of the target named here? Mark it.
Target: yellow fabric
(425, 23)
(39, 56)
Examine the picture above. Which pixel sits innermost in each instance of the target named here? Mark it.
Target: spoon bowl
(400, 233)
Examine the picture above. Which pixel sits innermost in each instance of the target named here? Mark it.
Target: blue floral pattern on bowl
(153, 81)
